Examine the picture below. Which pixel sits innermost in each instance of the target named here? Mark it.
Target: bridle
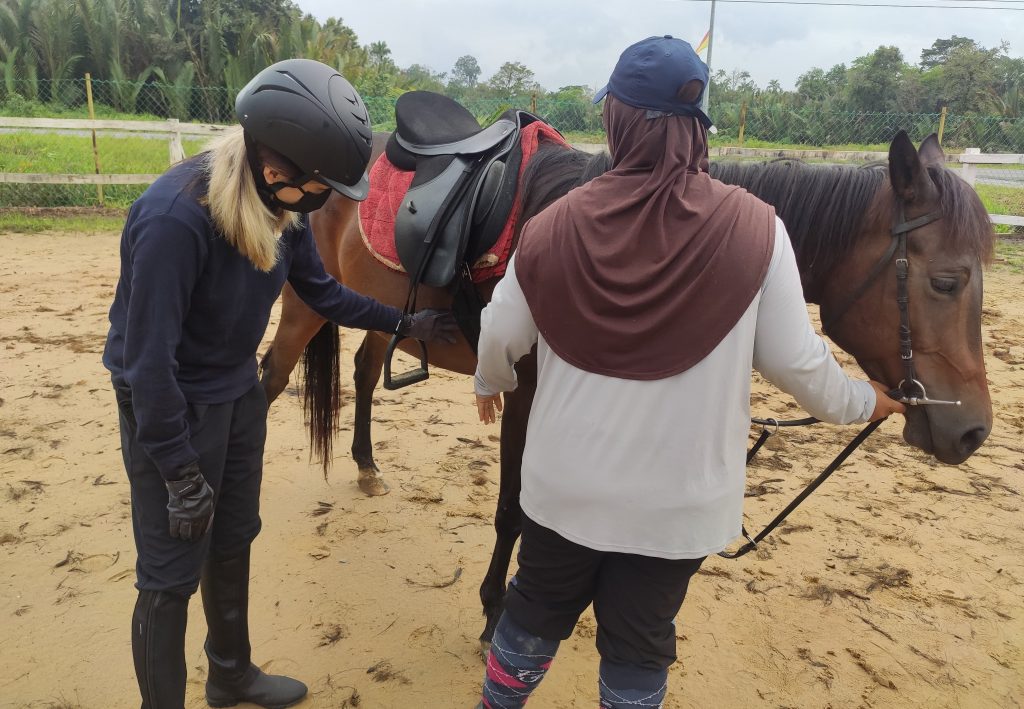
(910, 390)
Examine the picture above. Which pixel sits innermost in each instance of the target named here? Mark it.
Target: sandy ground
(897, 585)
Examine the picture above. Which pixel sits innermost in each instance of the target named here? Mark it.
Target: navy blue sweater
(190, 311)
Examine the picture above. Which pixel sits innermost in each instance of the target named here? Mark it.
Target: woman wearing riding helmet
(205, 253)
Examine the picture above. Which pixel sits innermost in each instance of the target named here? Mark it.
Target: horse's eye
(944, 285)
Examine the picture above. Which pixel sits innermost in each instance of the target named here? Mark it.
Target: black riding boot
(233, 678)
(158, 648)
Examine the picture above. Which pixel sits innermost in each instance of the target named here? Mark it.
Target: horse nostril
(971, 440)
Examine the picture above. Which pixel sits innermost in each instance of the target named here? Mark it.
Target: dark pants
(636, 598)
(229, 439)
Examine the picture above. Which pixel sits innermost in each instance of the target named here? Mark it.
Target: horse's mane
(967, 221)
(553, 171)
(824, 207)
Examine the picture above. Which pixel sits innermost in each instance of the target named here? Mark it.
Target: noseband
(910, 391)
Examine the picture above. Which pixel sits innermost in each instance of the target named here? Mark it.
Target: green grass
(728, 141)
(575, 136)
(1002, 167)
(1001, 200)
(49, 153)
(21, 108)
(31, 223)
(731, 141)
(44, 152)
(30, 151)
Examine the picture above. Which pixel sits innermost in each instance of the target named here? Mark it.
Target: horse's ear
(906, 172)
(931, 152)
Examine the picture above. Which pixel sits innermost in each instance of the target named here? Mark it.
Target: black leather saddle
(464, 187)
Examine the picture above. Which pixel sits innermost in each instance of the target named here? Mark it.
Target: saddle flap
(495, 201)
(432, 224)
(490, 183)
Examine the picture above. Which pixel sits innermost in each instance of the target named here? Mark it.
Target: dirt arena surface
(897, 584)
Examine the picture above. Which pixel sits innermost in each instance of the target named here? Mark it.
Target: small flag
(704, 42)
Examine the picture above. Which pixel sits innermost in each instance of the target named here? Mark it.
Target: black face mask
(307, 203)
(268, 193)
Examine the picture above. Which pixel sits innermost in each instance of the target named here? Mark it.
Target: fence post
(176, 151)
(533, 103)
(95, 148)
(969, 170)
(942, 123)
(743, 120)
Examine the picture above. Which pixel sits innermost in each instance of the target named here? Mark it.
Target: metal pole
(743, 120)
(942, 123)
(711, 43)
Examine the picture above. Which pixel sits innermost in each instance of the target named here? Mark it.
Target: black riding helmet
(309, 113)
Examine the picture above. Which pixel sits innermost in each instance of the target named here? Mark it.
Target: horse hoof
(373, 484)
(485, 649)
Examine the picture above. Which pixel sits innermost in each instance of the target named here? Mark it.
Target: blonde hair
(235, 205)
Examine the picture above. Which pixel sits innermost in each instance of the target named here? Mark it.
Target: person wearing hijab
(650, 293)
(205, 253)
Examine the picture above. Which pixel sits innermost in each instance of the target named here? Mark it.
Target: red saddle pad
(388, 186)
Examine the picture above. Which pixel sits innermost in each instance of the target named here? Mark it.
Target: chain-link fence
(67, 98)
(575, 115)
(758, 125)
(812, 127)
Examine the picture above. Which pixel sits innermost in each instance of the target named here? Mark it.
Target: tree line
(188, 58)
(978, 88)
(184, 56)
(956, 73)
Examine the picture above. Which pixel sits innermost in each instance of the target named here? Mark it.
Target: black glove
(430, 325)
(189, 504)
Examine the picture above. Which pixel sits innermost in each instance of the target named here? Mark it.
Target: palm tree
(54, 35)
(102, 30)
(21, 61)
(8, 68)
(176, 89)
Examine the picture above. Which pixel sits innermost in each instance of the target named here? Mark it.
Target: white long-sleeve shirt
(658, 467)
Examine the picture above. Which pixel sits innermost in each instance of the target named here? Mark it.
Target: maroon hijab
(640, 273)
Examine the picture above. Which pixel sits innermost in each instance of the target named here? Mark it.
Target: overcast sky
(578, 41)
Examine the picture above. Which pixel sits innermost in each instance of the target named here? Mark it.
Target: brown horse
(842, 222)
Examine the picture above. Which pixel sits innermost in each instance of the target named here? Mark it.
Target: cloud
(577, 42)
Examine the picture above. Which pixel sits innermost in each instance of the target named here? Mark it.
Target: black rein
(910, 390)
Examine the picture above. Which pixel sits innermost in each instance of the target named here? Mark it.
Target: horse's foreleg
(369, 362)
(508, 516)
(297, 327)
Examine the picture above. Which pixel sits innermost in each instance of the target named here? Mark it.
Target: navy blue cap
(650, 73)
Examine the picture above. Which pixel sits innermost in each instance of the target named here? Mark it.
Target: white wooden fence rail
(972, 157)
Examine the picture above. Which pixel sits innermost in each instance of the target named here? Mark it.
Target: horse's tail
(321, 398)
